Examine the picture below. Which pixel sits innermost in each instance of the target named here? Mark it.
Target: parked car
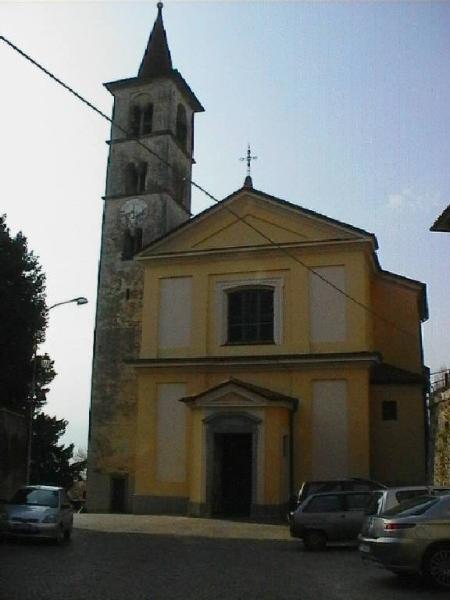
(351, 484)
(393, 496)
(413, 537)
(38, 511)
(330, 517)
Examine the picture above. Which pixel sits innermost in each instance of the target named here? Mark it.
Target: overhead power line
(208, 194)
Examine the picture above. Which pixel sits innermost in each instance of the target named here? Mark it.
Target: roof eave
(442, 223)
(174, 75)
(369, 236)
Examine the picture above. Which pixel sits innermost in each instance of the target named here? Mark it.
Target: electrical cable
(208, 194)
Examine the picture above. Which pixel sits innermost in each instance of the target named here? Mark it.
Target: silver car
(38, 511)
(393, 496)
(331, 517)
(413, 537)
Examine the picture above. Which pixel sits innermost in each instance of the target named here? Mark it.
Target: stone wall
(440, 430)
(112, 431)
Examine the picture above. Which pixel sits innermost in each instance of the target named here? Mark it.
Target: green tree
(52, 462)
(24, 375)
(23, 317)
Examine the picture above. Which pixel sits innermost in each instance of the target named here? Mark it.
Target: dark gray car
(413, 537)
(331, 517)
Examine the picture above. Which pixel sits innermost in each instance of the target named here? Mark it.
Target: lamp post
(78, 301)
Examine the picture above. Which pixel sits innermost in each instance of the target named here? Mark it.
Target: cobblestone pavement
(127, 557)
(184, 526)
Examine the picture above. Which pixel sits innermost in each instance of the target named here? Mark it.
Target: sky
(344, 104)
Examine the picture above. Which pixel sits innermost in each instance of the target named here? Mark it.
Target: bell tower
(147, 194)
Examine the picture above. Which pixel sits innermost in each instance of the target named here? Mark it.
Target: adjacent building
(440, 400)
(244, 350)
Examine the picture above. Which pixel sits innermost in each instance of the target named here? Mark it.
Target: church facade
(244, 350)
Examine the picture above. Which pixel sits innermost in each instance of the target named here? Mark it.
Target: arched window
(136, 178)
(250, 315)
(131, 179)
(181, 125)
(141, 119)
(147, 119)
(135, 120)
(132, 243)
(141, 177)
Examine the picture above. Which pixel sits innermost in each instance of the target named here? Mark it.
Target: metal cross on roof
(248, 159)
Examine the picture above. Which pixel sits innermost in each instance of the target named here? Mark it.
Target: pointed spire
(157, 59)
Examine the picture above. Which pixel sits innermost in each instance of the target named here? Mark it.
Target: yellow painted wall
(373, 448)
(276, 424)
(399, 304)
(295, 383)
(398, 449)
(208, 272)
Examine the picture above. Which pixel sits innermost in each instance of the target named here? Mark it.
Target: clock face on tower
(133, 212)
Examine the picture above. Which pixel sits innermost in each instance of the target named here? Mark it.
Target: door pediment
(238, 394)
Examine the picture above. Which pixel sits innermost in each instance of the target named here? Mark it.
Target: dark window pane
(235, 333)
(358, 501)
(135, 117)
(266, 331)
(147, 121)
(142, 177)
(389, 409)
(250, 315)
(181, 124)
(131, 179)
(324, 504)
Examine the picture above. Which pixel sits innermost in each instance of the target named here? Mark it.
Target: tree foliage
(24, 374)
(52, 462)
(23, 316)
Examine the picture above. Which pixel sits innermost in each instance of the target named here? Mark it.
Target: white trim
(277, 283)
(257, 248)
(243, 398)
(278, 203)
(273, 361)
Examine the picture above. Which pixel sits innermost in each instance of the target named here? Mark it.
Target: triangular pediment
(252, 219)
(235, 393)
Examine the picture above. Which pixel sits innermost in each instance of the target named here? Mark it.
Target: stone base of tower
(109, 492)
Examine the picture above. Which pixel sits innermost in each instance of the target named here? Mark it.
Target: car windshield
(412, 507)
(36, 497)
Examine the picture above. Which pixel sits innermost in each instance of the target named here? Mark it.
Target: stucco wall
(398, 446)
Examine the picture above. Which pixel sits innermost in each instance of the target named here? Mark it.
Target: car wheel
(437, 566)
(314, 540)
(67, 534)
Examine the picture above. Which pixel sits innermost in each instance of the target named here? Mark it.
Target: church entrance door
(232, 478)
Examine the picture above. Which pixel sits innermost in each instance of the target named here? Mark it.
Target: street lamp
(78, 301)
